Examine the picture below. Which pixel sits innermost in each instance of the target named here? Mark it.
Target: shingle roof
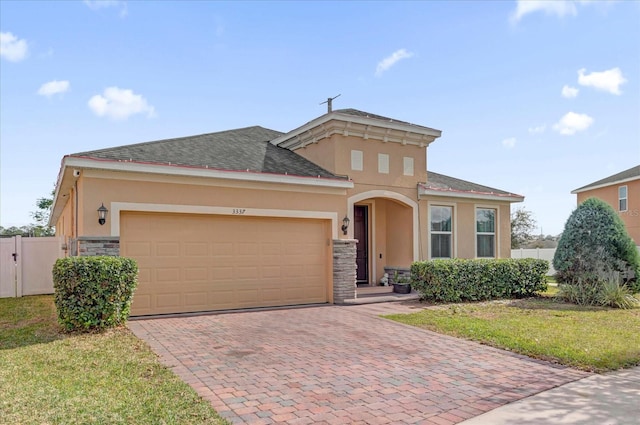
(358, 113)
(237, 150)
(624, 175)
(440, 182)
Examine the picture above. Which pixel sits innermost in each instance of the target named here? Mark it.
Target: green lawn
(589, 338)
(48, 377)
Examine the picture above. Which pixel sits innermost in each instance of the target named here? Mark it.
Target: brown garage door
(192, 263)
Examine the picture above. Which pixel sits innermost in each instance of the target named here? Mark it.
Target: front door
(361, 233)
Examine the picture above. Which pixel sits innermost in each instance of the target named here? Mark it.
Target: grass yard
(588, 338)
(48, 377)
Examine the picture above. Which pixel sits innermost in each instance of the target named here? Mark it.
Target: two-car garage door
(191, 262)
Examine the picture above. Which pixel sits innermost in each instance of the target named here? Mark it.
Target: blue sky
(535, 97)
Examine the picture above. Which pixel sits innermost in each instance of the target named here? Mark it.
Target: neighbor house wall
(609, 194)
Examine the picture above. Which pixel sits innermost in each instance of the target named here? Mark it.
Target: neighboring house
(253, 217)
(622, 192)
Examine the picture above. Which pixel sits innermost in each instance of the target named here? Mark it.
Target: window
(485, 232)
(440, 227)
(408, 166)
(622, 198)
(356, 160)
(383, 163)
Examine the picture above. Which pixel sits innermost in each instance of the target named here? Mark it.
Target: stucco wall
(334, 154)
(630, 217)
(464, 222)
(107, 187)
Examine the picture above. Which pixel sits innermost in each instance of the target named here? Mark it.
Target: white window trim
(357, 160)
(453, 233)
(496, 226)
(626, 198)
(454, 226)
(383, 163)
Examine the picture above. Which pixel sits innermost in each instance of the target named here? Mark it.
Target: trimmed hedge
(93, 293)
(458, 280)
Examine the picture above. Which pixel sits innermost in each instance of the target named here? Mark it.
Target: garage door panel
(196, 249)
(195, 274)
(199, 262)
(167, 249)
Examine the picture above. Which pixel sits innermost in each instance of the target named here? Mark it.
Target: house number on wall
(239, 211)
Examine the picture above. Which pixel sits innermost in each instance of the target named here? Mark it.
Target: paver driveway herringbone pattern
(340, 365)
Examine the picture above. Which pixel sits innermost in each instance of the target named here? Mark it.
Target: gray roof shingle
(623, 175)
(441, 182)
(236, 150)
(358, 113)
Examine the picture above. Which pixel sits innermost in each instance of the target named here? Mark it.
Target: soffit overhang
(364, 127)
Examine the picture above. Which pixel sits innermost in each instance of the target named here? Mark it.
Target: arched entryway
(386, 225)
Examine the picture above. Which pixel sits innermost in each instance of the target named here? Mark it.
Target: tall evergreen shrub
(594, 245)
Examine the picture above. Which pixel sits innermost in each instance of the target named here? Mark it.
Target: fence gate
(26, 265)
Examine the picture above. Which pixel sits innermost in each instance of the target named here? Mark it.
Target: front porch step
(369, 290)
(381, 297)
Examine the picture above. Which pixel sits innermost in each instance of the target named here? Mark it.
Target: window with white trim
(485, 232)
(441, 233)
(407, 163)
(383, 163)
(356, 160)
(622, 198)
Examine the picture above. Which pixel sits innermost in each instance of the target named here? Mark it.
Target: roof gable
(632, 173)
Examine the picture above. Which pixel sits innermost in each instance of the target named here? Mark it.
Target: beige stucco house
(254, 217)
(622, 192)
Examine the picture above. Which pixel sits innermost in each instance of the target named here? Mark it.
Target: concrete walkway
(609, 399)
(338, 365)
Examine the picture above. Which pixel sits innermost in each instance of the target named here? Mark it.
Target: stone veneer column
(344, 270)
(98, 245)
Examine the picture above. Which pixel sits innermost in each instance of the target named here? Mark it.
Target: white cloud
(609, 80)
(120, 104)
(12, 48)
(102, 4)
(571, 123)
(389, 61)
(537, 130)
(53, 87)
(559, 8)
(569, 92)
(509, 143)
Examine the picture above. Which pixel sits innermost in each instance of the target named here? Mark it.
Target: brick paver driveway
(340, 365)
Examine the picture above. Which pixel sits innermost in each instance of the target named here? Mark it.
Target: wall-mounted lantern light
(102, 214)
(345, 224)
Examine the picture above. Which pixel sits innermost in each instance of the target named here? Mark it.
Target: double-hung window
(622, 198)
(485, 232)
(441, 234)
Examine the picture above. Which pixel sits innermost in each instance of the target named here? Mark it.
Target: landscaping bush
(458, 280)
(93, 293)
(595, 244)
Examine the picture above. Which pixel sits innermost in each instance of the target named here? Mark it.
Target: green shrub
(458, 280)
(615, 295)
(595, 243)
(93, 293)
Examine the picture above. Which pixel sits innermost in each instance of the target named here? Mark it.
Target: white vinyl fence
(26, 265)
(540, 253)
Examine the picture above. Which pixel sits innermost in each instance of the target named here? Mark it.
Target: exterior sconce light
(102, 214)
(345, 224)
